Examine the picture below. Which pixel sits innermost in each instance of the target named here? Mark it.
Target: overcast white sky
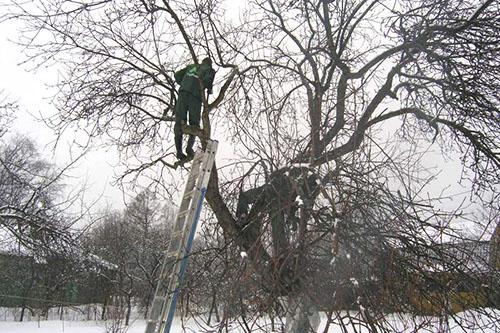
(28, 89)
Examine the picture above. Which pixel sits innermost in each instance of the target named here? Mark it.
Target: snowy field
(471, 321)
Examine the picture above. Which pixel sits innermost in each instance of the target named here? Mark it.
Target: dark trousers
(187, 104)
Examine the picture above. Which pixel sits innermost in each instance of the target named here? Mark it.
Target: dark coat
(188, 78)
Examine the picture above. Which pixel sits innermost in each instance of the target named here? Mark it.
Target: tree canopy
(308, 96)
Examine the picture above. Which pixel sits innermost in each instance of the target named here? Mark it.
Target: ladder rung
(164, 289)
(175, 245)
(159, 300)
(190, 193)
(183, 213)
(198, 157)
(177, 233)
(181, 226)
(174, 253)
(171, 259)
(191, 182)
(164, 293)
(193, 175)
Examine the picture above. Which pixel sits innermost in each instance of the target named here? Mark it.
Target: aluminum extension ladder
(174, 264)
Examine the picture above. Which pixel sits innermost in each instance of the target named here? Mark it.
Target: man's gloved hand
(209, 91)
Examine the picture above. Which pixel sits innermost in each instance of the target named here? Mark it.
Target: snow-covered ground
(470, 321)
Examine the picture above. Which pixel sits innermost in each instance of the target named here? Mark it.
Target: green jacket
(188, 78)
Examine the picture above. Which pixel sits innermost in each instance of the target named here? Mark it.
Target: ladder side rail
(202, 183)
(181, 220)
(184, 262)
(186, 204)
(164, 282)
(184, 229)
(156, 314)
(207, 167)
(175, 275)
(192, 185)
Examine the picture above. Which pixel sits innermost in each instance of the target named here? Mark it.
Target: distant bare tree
(112, 240)
(133, 241)
(34, 227)
(311, 93)
(30, 199)
(7, 108)
(150, 224)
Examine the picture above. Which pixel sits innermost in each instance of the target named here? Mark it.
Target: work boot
(190, 144)
(189, 152)
(178, 144)
(180, 156)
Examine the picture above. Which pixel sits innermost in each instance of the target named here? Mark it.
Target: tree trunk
(302, 315)
(129, 309)
(186, 307)
(328, 321)
(104, 305)
(210, 311)
(23, 309)
(146, 311)
(213, 307)
(217, 316)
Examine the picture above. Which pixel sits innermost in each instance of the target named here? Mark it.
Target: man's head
(207, 61)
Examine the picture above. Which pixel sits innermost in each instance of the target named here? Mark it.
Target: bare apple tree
(311, 94)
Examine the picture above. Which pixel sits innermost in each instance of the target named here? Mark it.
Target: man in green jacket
(192, 79)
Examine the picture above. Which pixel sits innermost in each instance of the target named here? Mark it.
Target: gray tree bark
(302, 315)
